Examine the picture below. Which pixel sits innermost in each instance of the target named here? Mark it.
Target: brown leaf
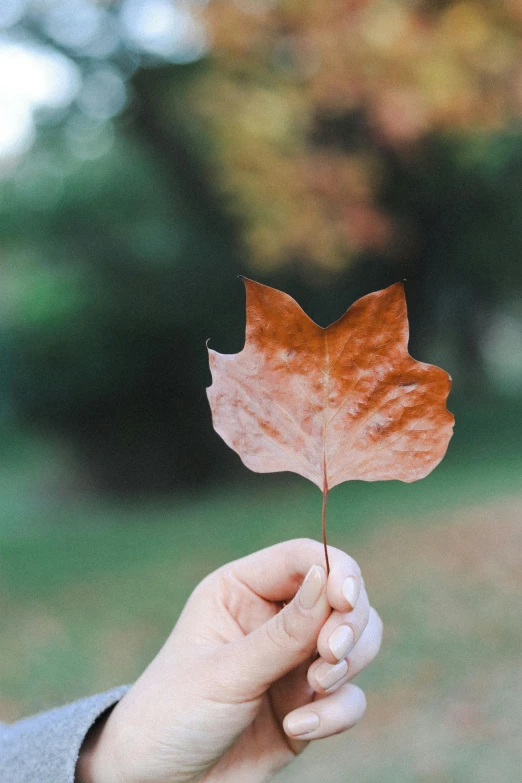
(346, 402)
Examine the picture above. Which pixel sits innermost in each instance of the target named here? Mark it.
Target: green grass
(45, 545)
(88, 591)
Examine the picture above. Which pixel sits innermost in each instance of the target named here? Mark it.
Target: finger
(322, 718)
(367, 647)
(324, 677)
(344, 585)
(280, 644)
(289, 693)
(275, 573)
(341, 631)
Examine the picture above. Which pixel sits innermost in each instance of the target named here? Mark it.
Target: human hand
(236, 691)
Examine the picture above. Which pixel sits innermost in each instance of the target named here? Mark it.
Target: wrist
(96, 763)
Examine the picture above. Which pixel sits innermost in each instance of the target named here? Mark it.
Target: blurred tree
(304, 103)
(107, 300)
(330, 148)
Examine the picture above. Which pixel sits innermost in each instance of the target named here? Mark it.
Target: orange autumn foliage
(281, 69)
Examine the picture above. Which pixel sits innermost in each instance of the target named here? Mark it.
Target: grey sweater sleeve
(45, 747)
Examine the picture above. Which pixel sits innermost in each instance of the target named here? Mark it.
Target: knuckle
(310, 546)
(284, 634)
(376, 619)
(364, 617)
(359, 698)
(370, 653)
(358, 620)
(303, 542)
(309, 542)
(364, 600)
(372, 645)
(356, 569)
(313, 547)
(275, 637)
(350, 566)
(289, 629)
(352, 707)
(200, 590)
(208, 584)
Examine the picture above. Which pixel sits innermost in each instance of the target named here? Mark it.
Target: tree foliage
(338, 147)
(305, 101)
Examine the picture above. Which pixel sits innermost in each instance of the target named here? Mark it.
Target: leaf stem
(323, 525)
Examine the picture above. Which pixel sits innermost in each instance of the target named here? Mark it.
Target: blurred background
(151, 151)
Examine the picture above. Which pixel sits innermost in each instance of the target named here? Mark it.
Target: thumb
(286, 640)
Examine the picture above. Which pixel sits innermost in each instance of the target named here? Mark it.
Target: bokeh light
(168, 30)
(31, 78)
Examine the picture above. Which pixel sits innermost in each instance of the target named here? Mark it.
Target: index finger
(276, 573)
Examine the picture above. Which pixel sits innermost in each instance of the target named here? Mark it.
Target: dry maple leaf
(336, 404)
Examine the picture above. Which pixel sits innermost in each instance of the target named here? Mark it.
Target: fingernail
(311, 588)
(303, 723)
(327, 676)
(351, 589)
(341, 641)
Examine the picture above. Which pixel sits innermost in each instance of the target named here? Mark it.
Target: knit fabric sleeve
(45, 747)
